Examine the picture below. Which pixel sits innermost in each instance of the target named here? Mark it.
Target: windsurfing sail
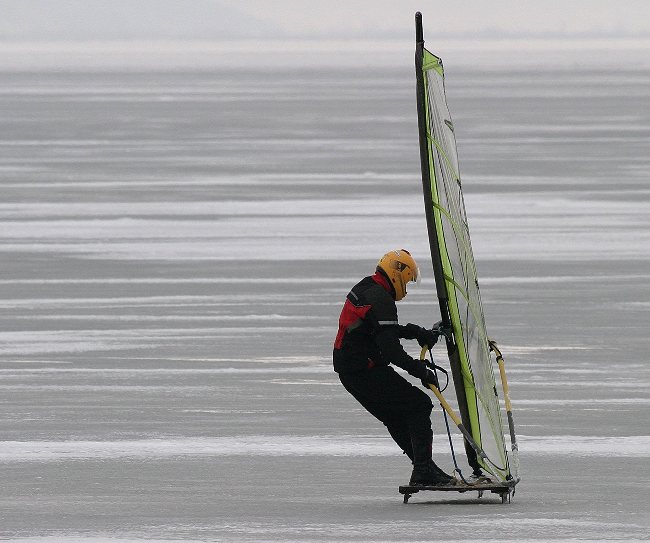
(457, 287)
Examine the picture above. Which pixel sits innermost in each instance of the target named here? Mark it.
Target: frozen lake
(175, 249)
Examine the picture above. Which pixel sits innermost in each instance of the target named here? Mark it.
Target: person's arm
(386, 332)
(424, 336)
(387, 340)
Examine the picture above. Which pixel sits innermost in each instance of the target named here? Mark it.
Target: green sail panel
(455, 271)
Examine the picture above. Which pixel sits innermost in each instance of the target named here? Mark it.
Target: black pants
(404, 409)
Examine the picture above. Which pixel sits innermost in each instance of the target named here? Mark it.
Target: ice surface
(175, 249)
(289, 445)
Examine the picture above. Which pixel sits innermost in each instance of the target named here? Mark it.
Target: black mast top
(419, 35)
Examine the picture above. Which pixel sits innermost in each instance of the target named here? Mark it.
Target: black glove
(441, 330)
(429, 378)
(424, 337)
(427, 338)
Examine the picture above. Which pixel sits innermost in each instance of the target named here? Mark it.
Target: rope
(434, 368)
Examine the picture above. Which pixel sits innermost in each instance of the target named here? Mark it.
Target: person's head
(399, 267)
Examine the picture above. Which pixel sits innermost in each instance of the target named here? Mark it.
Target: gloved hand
(429, 378)
(427, 337)
(441, 330)
(422, 335)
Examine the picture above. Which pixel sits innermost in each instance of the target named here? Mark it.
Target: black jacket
(369, 333)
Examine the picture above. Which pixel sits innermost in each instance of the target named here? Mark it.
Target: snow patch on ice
(345, 445)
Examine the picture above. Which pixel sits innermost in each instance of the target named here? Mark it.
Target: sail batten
(454, 269)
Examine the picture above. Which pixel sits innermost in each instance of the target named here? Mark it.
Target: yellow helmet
(400, 268)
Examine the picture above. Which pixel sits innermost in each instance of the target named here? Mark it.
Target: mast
(434, 242)
(426, 168)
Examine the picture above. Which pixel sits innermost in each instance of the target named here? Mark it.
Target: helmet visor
(416, 275)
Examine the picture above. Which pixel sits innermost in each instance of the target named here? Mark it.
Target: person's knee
(423, 404)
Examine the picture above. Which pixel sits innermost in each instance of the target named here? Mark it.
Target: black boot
(441, 474)
(430, 475)
(425, 471)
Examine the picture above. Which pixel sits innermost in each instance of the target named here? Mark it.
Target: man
(367, 343)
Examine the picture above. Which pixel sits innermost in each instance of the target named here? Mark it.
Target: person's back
(368, 304)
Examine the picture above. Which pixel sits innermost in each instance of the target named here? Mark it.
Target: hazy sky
(489, 18)
(57, 34)
(352, 19)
